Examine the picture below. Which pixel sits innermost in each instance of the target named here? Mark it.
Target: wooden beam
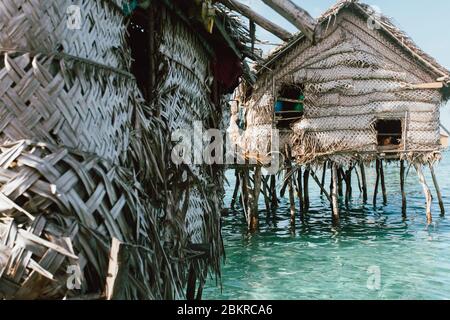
(258, 19)
(253, 200)
(432, 85)
(306, 189)
(264, 190)
(324, 172)
(377, 182)
(363, 181)
(236, 189)
(348, 186)
(383, 184)
(402, 186)
(438, 190)
(273, 192)
(321, 185)
(289, 175)
(334, 192)
(426, 191)
(300, 190)
(113, 278)
(295, 15)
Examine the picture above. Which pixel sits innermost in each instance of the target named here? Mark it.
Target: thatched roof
(386, 26)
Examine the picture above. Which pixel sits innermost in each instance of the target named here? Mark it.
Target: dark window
(389, 132)
(289, 106)
(139, 43)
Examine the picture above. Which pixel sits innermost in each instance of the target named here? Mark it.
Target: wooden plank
(113, 268)
(290, 100)
(258, 19)
(295, 15)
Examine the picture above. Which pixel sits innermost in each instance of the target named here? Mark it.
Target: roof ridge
(387, 24)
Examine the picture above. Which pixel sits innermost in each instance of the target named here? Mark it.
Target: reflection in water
(317, 260)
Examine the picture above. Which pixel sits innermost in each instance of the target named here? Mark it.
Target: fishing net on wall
(349, 83)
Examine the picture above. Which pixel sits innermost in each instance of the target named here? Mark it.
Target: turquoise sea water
(374, 253)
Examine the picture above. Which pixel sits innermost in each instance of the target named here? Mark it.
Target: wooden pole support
(383, 185)
(265, 191)
(402, 186)
(253, 200)
(438, 190)
(289, 184)
(426, 191)
(340, 176)
(377, 182)
(334, 192)
(300, 191)
(348, 186)
(322, 188)
(236, 189)
(324, 172)
(273, 192)
(306, 189)
(363, 181)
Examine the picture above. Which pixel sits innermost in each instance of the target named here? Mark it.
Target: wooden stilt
(300, 191)
(285, 183)
(383, 185)
(363, 181)
(306, 189)
(273, 192)
(291, 200)
(289, 184)
(348, 186)
(426, 191)
(377, 182)
(402, 186)
(331, 178)
(253, 200)
(438, 190)
(265, 189)
(324, 172)
(236, 189)
(322, 188)
(334, 192)
(244, 194)
(339, 181)
(358, 179)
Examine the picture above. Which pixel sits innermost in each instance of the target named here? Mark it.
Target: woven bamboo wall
(74, 174)
(48, 95)
(352, 77)
(184, 96)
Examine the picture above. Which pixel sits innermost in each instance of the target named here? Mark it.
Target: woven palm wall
(183, 96)
(352, 77)
(74, 171)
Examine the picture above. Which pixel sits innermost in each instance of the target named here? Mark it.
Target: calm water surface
(319, 261)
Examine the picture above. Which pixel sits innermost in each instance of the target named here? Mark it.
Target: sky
(426, 22)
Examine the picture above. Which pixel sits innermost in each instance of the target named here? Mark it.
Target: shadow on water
(320, 260)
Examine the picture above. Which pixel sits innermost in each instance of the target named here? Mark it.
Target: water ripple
(317, 260)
